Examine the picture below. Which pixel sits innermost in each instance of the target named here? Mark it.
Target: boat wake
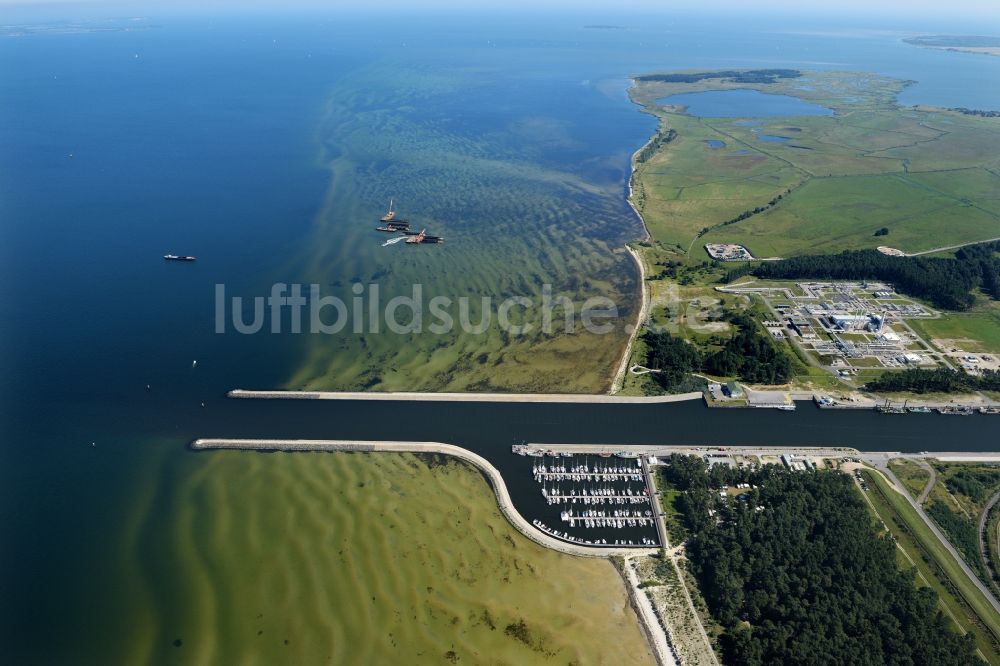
(393, 240)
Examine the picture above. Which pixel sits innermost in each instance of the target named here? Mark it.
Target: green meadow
(929, 176)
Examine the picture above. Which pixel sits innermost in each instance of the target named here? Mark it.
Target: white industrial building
(846, 322)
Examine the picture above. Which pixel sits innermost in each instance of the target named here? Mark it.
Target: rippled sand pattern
(361, 559)
(514, 218)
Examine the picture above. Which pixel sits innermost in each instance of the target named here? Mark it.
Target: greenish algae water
(355, 559)
(516, 213)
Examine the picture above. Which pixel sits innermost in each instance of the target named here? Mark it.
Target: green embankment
(962, 601)
(993, 540)
(957, 502)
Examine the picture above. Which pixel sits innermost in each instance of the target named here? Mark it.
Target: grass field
(976, 331)
(960, 599)
(828, 215)
(931, 177)
(913, 476)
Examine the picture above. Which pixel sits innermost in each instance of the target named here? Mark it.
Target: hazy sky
(979, 6)
(986, 8)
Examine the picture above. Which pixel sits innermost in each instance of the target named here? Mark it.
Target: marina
(601, 500)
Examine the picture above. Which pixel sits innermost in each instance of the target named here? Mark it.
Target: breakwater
(564, 398)
(491, 473)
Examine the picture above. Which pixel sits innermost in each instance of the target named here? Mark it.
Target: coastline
(633, 162)
(993, 51)
(652, 630)
(492, 474)
(640, 320)
(619, 377)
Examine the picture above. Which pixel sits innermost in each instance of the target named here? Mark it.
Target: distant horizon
(623, 13)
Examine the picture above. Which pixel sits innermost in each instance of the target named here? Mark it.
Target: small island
(962, 44)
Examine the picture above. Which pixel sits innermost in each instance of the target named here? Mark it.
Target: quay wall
(464, 397)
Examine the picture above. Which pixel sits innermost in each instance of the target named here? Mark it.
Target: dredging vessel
(394, 226)
(389, 214)
(415, 238)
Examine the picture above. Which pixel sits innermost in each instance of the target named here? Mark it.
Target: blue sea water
(199, 134)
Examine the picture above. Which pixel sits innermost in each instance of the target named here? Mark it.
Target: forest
(734, 76)
(938, 380)
(749, 354)
(962, 534)
(946, 282)
(661, 139)
(795, 572)
(977, 112)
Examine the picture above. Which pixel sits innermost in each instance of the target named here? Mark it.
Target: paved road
(661, 527)
(880, 462)
(671, 553)
(982, 530)
(950, 247)
(640, 320)
(930, 483)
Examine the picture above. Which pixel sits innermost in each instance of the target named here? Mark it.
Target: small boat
(955, 411)
(889, 408)
(390, 213)
(179, 257)
(393, 227)
(418, 237)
